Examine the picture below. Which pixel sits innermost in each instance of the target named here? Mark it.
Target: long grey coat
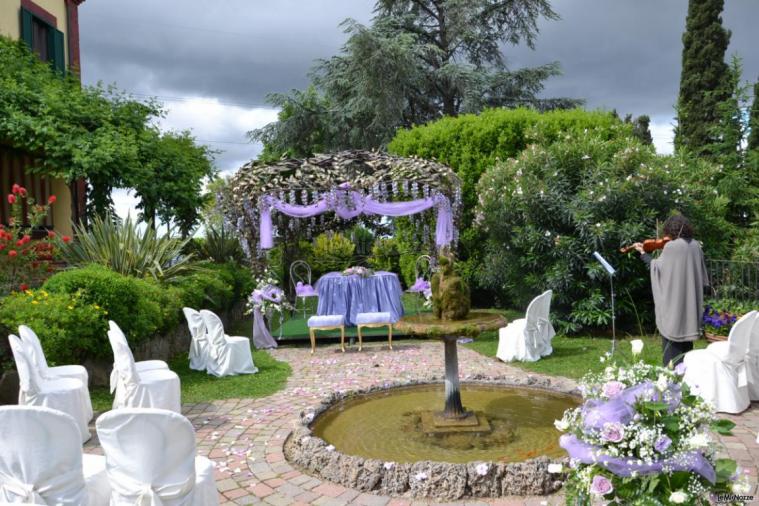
(678, 278)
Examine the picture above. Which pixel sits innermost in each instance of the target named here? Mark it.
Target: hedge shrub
(545, 212)
(139, 307)
(70, 327)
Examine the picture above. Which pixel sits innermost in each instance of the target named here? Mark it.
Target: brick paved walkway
(245, 436)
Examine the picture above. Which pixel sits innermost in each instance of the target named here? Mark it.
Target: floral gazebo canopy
(264, 196)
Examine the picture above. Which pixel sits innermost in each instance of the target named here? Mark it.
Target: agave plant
(121, 247)
(221, 245)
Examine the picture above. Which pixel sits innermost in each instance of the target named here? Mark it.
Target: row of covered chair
(726, 373)
(213, 350)
(149, 459)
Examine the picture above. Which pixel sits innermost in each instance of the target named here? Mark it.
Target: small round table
(351, 295)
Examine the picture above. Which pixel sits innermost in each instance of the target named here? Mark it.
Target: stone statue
(450, 293)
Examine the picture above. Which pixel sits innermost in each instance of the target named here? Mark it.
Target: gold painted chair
(374, 320)
(326, 322)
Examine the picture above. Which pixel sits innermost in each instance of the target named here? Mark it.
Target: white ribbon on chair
(12, 489)
(145, 494)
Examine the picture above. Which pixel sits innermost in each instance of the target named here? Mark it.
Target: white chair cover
(159, 388)
(41, 459)
(529, 338)
(33, 348)
(142, 366)
(228, 355)
(199, 344)
(752, 362)
(718, 373)
(63, 394)
(150, 460)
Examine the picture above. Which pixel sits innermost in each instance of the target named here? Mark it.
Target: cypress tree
(702, 86)
(753, 122)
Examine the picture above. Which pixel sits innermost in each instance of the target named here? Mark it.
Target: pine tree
(753, 122)
(702, 86)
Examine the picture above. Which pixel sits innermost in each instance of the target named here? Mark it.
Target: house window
(44, 39)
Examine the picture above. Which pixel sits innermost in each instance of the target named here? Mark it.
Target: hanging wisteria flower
(601, 485)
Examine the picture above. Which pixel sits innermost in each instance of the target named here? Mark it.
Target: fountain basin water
(438, 476)
(390, 425)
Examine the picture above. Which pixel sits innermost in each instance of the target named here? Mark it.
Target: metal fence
(734, 280)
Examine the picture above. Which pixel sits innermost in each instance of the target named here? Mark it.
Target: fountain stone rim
(444, 480)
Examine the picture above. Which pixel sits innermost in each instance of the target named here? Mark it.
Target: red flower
(2, 247)
(51, 200)
(26, 239)
(12, 253)
(11, 198)
(20, 242)
(16, 188)
(50, 234)
(22, 191)
(66, 239)
(24, 287)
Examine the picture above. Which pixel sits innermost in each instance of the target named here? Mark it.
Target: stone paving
(245, 437)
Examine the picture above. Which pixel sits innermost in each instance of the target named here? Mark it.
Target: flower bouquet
(641, 438)
(717, 323)
(363, 272)
(267, 297)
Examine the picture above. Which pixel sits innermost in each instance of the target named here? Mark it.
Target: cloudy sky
(213, 62)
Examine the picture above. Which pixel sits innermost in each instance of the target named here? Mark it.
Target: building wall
(10, 26)
(10, 18)
(62, 207)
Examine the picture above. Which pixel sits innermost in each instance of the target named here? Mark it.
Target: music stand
(610, 270)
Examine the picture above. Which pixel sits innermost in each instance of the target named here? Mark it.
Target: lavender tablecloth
(350, 295)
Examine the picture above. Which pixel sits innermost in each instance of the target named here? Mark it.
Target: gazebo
(303, 197)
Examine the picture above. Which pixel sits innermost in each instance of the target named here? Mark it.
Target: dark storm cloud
(235, 50)
(622, 54)
(625, 54)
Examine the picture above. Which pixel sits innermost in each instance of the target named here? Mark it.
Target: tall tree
(419, 60)
(753, 122)
(702, 81)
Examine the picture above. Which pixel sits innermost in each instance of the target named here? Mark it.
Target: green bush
(123, 248)
(472, 143)
(70, 327)
(545, 213)
(385, 256)
(331, 252)
(140, 307)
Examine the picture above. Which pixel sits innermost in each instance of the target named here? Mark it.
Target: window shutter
(58, 54)
(26, 27)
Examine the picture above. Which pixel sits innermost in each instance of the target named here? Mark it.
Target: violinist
(678, 278)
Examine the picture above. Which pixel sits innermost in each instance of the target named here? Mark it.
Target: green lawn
(198, 386)
(573, 357)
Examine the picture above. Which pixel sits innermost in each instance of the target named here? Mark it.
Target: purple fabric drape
(587, 454)
(262, 338)
(349, 204)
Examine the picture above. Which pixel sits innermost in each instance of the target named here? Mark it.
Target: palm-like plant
(221, 245)
(121, 247)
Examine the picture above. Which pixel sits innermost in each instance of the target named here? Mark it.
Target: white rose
(662, 383)
(555, 468)
(741, 487)
(698, 441)
(561, 425)
(637, 346)
(678, 497)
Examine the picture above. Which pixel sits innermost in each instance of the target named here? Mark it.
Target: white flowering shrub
(546, 211)
(641, 438)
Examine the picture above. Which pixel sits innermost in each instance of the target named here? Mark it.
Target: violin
(649, 245)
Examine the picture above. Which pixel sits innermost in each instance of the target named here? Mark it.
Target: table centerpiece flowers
(360, 271)
(641, 438)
